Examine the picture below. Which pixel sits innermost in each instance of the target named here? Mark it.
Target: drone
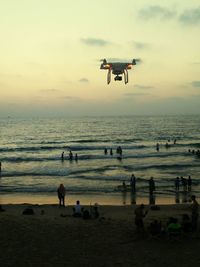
(118, 69)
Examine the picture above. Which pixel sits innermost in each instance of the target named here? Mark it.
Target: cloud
(143, 87)
(190, 16)
(50, 90)
(141, 45)
(94, 42)
(84, 80)
(152, 12)
(135, 94)
(196, 84)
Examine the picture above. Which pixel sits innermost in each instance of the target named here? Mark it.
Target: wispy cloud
(196, 84)
(141, 45)
(155, 11)
(135, 94)
(84, 80)
(52, 90)
(143, 87)
(95, 42)
(190, 16)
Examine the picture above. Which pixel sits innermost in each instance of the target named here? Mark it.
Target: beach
(53, 237)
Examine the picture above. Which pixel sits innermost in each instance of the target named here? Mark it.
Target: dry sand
(52, 240)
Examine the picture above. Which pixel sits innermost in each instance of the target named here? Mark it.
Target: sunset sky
(50, 53)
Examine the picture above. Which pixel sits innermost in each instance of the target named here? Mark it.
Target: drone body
(118, 69)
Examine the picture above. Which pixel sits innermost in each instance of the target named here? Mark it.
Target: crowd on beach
(173, 226)
(78, 209)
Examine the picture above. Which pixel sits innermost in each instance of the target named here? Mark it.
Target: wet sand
(52, 237)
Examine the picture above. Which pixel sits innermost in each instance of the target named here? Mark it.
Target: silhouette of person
(61, 195)
(151, 186)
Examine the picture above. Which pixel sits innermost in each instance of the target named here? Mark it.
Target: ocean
(30, 153)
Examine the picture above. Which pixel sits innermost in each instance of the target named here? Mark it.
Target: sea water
(30, 153)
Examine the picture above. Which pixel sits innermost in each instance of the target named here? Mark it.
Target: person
(139, 216)
(133, 183)
(76, 157)
(62, 155)
(189, 183)
(195, 213)
(111, 152)
(0, 166)
(174, 227)
(105, 151)
(70, 155)
(94, 211)
(61, 195)
(78, 209)
(177, 183)
(184, 183)
(157, 147)
(151, 186)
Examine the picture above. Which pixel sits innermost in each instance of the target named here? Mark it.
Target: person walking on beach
(195, 213)
(61, 195)
(151, 186)
(139, 216)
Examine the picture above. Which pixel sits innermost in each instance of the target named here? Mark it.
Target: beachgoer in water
(133, 183)
(174, 141)
(195, 213)
(105, 151)
(184, 183)
(157, 147)
(111, 152)
(61, 195)
(70, 155)
(189, 183)
(62, 155)
(177, 183)
(78, 209)
(139, 216)
(76, 157)
(124, 186)
(151, 186)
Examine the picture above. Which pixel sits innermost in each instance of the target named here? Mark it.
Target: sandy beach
(53, 237)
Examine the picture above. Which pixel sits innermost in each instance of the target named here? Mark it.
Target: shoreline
(113, 199)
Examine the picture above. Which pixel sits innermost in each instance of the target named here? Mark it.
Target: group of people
(188, 224)
(195, 152)
(167, 145)
(70, 156)
(186, 183)
(78, 209)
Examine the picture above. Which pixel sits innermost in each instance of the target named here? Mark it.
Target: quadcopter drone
(117, 68)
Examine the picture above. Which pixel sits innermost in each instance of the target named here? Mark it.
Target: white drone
(117, 68)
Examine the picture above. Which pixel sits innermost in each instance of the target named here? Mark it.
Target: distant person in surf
(151, 186)
(70, 155)
(177, 183)
(133, 183)
(61, 195)
(62, 155)
(105, 151)
(111, 152)
(157, 146)
(76, 157)
(189, 183)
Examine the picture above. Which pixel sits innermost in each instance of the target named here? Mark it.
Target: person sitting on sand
(139, 215)
(78, 209)
(94, 211)
(61, 195)
(173, 227)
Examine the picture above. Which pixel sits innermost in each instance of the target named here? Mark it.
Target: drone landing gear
(109, 76)
(125, 76)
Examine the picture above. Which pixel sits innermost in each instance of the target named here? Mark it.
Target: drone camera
(118, 78)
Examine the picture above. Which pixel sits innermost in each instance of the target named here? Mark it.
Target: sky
(50, 53)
